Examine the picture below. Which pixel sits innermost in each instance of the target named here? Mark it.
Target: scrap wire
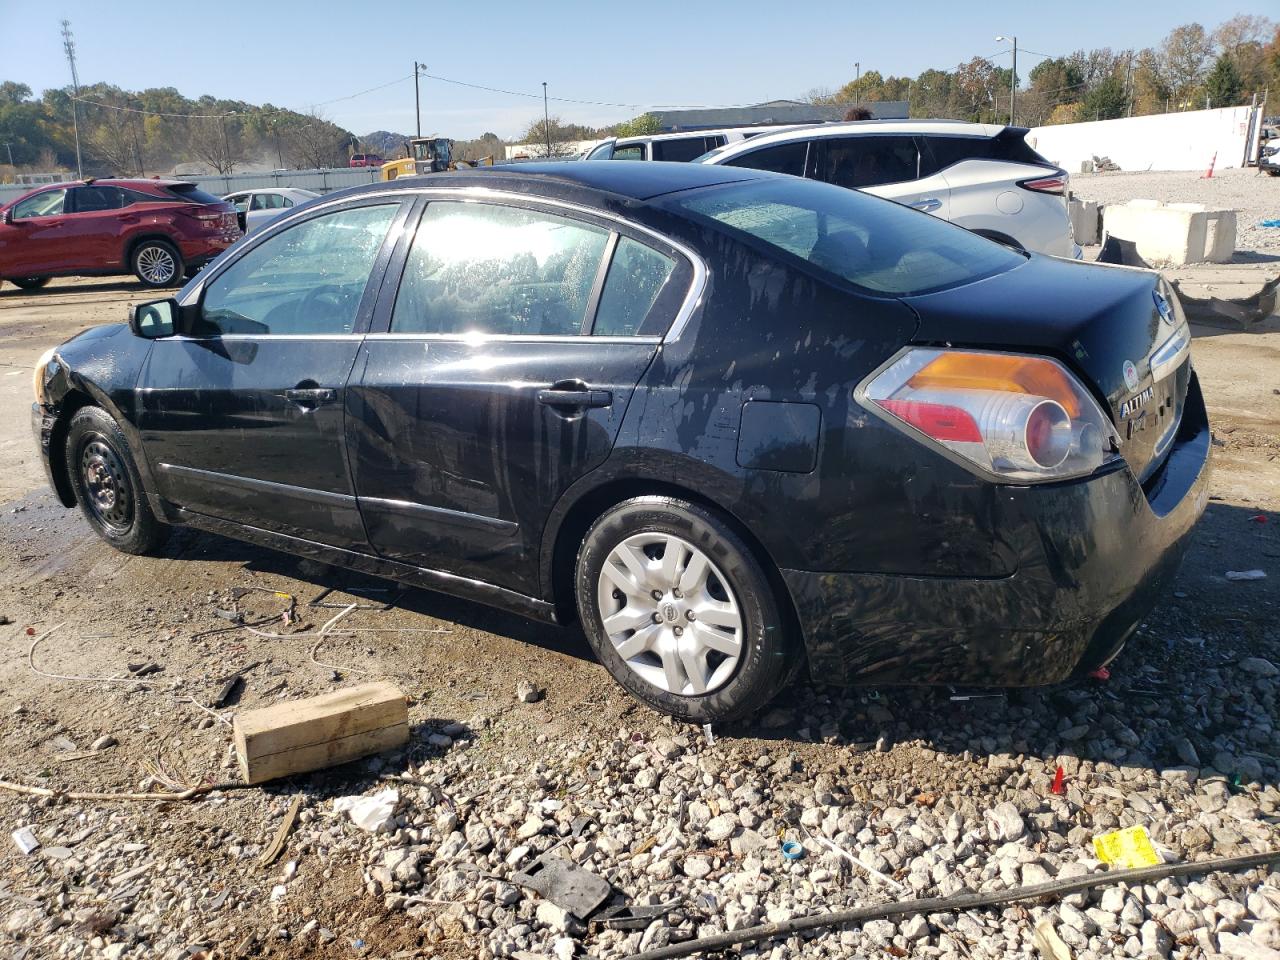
(323, 631)
(31, 653)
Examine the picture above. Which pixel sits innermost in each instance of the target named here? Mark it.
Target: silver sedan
(257, 208)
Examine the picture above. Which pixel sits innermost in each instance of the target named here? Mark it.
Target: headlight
(37, 377)
(1013, 417)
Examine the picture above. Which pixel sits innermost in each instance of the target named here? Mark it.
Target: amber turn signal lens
(1006, 373)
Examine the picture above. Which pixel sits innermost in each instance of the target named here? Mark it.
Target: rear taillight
(1013, 417)
(1056, 184)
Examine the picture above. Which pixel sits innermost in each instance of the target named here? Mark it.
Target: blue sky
(641, 53)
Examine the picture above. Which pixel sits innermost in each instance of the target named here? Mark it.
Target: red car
(158, 230)
(366, 160)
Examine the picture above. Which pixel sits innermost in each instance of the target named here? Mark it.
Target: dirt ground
(118, 610)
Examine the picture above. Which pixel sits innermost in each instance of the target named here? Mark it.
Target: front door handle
(927, 206)
(310, 397)
(577, 397)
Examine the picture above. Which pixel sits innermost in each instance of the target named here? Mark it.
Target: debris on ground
(527, 692)
(1246, 575)
(375, 814)
(299, 736)
(26, 840)
(1128, 848)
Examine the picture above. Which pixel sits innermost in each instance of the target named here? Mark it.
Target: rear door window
(637, 276)
(93, 199)
(681, 150)
(780, 158)
(632, 151)
(487, 269)
(855, 162)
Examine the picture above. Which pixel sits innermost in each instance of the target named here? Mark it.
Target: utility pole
(546, 119)
(1013, 83)
(857, 83)
(10, 149)
(1128, 84)
(417, 96)
(69, 45)
(226, 144)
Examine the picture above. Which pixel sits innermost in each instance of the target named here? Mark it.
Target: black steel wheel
(107, 484)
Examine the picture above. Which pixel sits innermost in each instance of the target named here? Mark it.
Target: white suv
(674, 147)
(981, 176)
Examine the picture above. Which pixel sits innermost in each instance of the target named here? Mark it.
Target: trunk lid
(1121, 330)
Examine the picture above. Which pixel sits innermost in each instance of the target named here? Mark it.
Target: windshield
(875, 244)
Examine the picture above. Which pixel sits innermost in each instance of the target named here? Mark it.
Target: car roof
(955, 128)
(111, 182)
(688, 134)
(631, 179)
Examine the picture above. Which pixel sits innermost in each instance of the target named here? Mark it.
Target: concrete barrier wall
(1163, 141)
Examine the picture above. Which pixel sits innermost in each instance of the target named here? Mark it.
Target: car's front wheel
(680, 611)
(30, 283)
(107, 484)
(157, 263)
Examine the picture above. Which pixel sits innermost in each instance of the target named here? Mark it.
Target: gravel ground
(1253, 195)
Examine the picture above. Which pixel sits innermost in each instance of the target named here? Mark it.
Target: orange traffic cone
(1209, 175)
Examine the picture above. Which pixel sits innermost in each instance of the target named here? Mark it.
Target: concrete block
(1171, 234)
(1085, 221)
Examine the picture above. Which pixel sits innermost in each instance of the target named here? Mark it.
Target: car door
(241, 415)
(241, 202)
(512, 347)
(263, 208)
(888, 166)
(95, 225)
(37, 239)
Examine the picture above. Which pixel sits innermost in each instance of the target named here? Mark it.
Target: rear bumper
(198, 252)
(1094, 557)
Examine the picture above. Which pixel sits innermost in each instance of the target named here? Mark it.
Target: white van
(680, 147)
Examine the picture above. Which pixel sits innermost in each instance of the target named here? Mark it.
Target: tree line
(149, 132)
(1190, 69)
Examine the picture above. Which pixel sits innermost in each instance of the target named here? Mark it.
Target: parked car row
(737, 424)
(984, 177)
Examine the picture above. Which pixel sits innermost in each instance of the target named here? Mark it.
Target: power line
(155, 113)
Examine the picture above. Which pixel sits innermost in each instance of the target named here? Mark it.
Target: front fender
(102, 366)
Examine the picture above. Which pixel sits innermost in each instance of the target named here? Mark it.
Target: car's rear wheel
(680, 611)
(157, 263)
(30, 283)
(107, 484)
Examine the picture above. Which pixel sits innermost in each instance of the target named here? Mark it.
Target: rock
(1005, 822)
(478, 837)
(1112, 900)
(440, 740)
(103, 743)
(1245, 947)
(1258, 667)
(667, 748)
(527, 692)
(696, 867)
(116, 950)
(550, 915)
(721, 828)
(646, 779)
(563, 948)
(1186, 752)
(915, 928)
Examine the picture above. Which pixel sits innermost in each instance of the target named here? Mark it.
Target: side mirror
(8, 217)
(151, 321)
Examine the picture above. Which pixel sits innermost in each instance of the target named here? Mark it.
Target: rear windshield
(875, 244)
(191, 193)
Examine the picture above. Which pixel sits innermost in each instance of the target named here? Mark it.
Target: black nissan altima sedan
(736, 422)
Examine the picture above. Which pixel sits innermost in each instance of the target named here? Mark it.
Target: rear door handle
(310, 397)
(580, 398)
(928, 206)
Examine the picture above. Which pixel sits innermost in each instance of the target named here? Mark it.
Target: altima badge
(1130, 375)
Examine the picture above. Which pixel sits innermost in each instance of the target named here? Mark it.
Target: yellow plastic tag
(1128, 848)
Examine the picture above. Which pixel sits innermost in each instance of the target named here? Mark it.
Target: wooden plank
(318, 732)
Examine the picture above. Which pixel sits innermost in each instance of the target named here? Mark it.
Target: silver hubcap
(669, 613)
(156, 264)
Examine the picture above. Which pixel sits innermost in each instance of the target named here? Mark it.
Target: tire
(732, 686)
(157, 264)
(30, 283)
(107, 486)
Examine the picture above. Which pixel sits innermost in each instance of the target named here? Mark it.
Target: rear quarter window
(877, 245)
(190, 193)
(781, 158)
(680, 151)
